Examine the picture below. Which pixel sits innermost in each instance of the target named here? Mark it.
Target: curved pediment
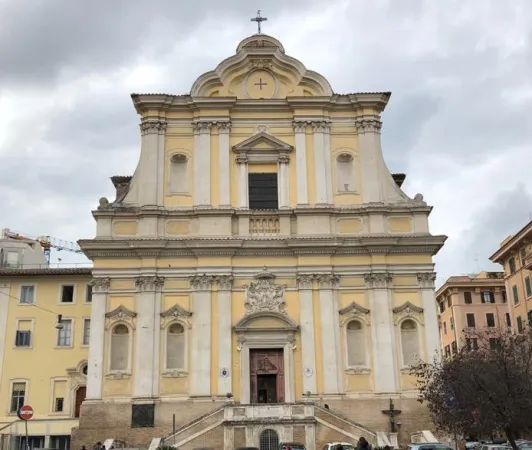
(260, 69)
(266, 321)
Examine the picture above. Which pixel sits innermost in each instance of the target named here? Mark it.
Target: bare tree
(484, 388)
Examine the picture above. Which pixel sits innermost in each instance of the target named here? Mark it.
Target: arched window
(409, 342)
(178, 174)
(269, 440)
(356, 349)
(175, 346)
(345, 173)
(120, 347)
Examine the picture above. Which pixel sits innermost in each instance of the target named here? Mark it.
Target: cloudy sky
(459, 121)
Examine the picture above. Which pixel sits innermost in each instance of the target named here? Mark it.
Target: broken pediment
(260, 69)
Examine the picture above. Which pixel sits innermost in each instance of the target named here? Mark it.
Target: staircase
(235, 425)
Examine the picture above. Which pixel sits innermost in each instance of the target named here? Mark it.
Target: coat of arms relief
(264, 295)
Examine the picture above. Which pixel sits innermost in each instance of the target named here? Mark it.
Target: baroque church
(262, 277)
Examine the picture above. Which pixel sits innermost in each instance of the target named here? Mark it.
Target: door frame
(279, 373)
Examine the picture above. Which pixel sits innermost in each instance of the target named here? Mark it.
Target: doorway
(81, 393)
(267, 376)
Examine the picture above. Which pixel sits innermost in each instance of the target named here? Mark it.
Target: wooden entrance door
(81, 393)
(267, 376)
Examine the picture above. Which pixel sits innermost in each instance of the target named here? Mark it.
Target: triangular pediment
(263, 141)
(408, 307)
(121, 312)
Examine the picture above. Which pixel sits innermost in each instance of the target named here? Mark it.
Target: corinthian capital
(153, 127)
(321, 126)
(225, 282)
(305, 281)
(328, 281)
(378, 280)
(300, 126)
(149, 284)
(224, 127)
(201, 282)
(368, 124)
(426, 279)
(100, 285)
(202, 127)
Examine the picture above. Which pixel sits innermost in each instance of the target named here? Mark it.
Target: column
(327, 159)
(225, 284)
(147, 336)
(202, 163)
(160, 162)
(372, 160)
(100, 291)
(245, 375)
(5, 299)
(382, 332)
(224, 159)
(428, 298)
(243, 195)
(151, 163)
(289, 379)
(330, 333)
(320, 166)
(284, 181)
(306, 319)
(200, 375)
(301, 162)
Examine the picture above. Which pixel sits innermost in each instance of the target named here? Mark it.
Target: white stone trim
(12, 381)
(66, 399)
(202, 163)
(20, 294)
(181, 372)
(224, 161)
(327, 159)
(225, 339)
(74, 293)
(366, 332)
(319, 165)
(120, 373)
(398, 337)
(243, 188)
(301, 162)
(430, 314)
(31, 330)
(308, 350)
(5, 299)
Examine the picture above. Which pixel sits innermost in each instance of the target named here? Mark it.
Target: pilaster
(148, 307)
(151, 164)
(200, 348)
(224, 159)
(426, 282)
(202, 163)
(284, 181)
(5, 300)
(384, 346)
(320, 132)
(100, 291)
(300, 128)
(330, 333)
(225, 375)
(243, 196)
(306, 315)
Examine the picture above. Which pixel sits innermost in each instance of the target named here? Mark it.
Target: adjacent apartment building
(466, 302)
(44, 337)
(515, 255)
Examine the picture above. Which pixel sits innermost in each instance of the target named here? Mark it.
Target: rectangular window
(67, 294)
(23, 338)
(467, 298)
(88, 293)
(487, 297)
(12, 259)
(454, 347)
(504, 297)
(451, 321)
(447, 351)
(449, 302)
(86, 331)
(27, 294)
(442, 306)
(511, 265)
(18, 395)
(472, 343)
(444, 327)
(64, 334)
(59, 403)
(490, 320)
(515, 293)
(59, 394)
(519, 324)
(263, 192)
(508, 320)
(470, 318)
(528, 287)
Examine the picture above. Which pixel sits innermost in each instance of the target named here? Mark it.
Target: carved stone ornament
(378, 280)
(328, 281)
(241, 159)
(407, 310)
(175, 373)
(225, 282)
(153, 127)
(320, 126)
(202, 126)
(283, 159)
(201, 282)
(100, 285)
(354, 311)
(300, 126)
(260, 64)
(118, 375)
(148, 284)
(120, 314)
(262, 129)
(426, 279)
(176, 312)
(368, 124)
(264, 294)
(103, 203)
(358, 370)
(305, 281)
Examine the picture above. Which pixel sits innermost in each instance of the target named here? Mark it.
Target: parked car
(429, 446)
(292, 446)
(339, 446)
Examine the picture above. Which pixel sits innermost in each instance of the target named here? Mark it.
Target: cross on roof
(259, 19)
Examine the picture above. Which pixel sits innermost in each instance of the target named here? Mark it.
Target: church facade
(261, 276)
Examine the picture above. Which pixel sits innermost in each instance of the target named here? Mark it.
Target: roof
(482, 279)
(45, 272)
(510, 243)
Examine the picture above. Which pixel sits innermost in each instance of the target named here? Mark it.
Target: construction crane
(46, 242)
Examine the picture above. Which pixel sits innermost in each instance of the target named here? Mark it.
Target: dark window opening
(23, 338)
(470, 320)
(263, 192)
(59, 404)
(67, 294)
(490, 320)
(467, 297)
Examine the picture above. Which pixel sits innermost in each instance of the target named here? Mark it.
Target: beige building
(515, 255)
(470, 302)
